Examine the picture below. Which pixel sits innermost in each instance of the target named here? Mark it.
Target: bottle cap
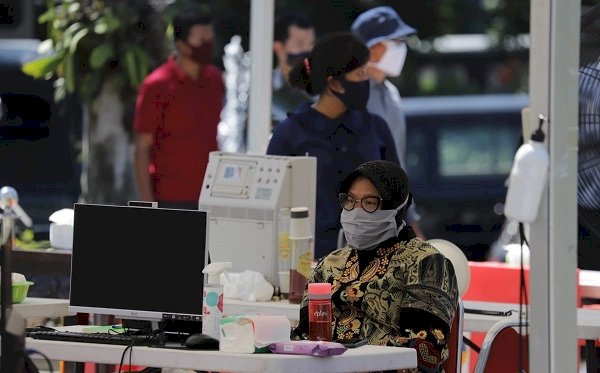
(300, 224)
(299, 212)
(319, 290)
(539, 135)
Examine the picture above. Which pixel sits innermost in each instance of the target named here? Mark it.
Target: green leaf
(101, 54)
(106, 24)
(48, 16)
(142, 63)
(45, 46)
(40, 67)
(100, 27)
(59, 89)
(70, 73)
(131, 67)
(74, 8)
(76, 38)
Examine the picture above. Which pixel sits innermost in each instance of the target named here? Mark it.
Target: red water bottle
(319, 312)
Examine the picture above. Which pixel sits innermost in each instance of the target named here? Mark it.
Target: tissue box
(249, 334)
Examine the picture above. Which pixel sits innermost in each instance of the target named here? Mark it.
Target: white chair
(458, 259)
(463, 275)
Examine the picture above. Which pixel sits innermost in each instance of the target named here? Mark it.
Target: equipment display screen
(231, 173)
(232, 178)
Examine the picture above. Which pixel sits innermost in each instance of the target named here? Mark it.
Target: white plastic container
(301, 243)
(61, 229)
(527, 180)
(212, 298)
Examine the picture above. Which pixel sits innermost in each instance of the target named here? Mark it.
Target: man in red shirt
(176, 116)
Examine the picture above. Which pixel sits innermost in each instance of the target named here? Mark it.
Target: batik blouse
(403, 293)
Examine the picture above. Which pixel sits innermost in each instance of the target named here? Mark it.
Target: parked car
(460, 151)
(38, 155)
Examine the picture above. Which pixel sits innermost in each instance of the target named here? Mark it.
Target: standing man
(384, 32)
(294, 38)
(176, 116)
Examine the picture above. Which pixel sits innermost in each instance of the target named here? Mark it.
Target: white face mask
(392, 61)
(365, 230)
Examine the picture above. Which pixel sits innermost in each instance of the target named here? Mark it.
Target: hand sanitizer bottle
(527, 180)
(212, 299)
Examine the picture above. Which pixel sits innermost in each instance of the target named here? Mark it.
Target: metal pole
(261, 65)
(13, 358)
(554, 58)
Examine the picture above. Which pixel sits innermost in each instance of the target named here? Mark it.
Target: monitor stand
(179, 330)
(144, 326)
(175, 330)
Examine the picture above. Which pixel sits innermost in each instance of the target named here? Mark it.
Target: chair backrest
(458, 259)
(455, 341)
(500, 349)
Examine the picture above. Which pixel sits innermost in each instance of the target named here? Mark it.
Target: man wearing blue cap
(385, 32)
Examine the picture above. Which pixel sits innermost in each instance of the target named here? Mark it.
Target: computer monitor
(138, 262)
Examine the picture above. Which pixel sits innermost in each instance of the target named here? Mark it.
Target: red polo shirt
(182, 114)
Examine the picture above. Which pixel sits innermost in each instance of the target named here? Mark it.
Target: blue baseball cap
(380, 24)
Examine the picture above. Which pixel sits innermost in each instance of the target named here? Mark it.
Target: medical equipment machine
(244, 194)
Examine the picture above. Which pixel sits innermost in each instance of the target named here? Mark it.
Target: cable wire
(29, 352)
(523, 300)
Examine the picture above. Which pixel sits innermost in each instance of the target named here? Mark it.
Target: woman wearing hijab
(336, 129)
(388, 286)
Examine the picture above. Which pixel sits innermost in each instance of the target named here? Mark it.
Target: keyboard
(104, 338)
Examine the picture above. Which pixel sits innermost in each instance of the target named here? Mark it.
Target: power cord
(30, 366)
(523, 300)
(130, 348)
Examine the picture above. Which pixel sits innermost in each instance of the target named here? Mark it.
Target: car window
(477, 149)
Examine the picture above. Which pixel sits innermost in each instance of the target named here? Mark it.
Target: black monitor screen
(137, 262)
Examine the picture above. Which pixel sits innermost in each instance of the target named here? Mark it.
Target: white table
(589, 284)
(364, 358)
(43, 307)
(588, 325)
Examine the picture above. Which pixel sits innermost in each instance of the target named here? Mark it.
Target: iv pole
(12, 357)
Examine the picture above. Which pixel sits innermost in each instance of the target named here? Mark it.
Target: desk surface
(365, 358)
(589, 284)
(588, 321)
(43, 307)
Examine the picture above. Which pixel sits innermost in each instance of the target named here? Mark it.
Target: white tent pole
(554, 59)
(261, 65)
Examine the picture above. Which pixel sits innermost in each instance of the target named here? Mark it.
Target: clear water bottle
(301, 241)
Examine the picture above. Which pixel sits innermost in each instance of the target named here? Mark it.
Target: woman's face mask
(356, 94)
(392, 61)
(364, 230)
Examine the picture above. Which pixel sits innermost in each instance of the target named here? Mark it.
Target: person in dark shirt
(294, 38)
(336, 129)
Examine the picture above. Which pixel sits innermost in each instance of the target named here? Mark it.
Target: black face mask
(356, 94)
(294, 58)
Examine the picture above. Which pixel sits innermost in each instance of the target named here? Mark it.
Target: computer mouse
(201, 341)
